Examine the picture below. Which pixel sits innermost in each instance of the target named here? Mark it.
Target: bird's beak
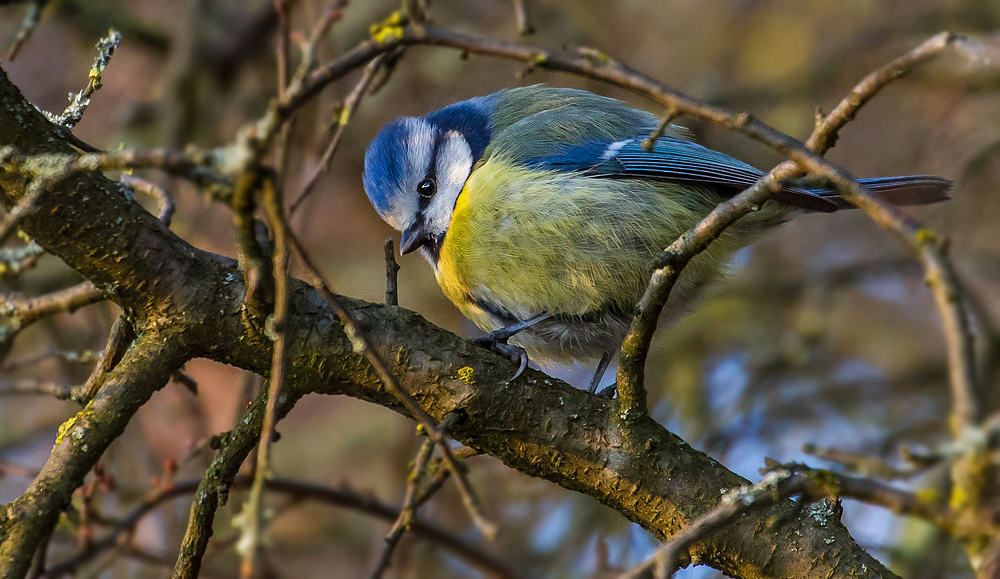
(413, 238)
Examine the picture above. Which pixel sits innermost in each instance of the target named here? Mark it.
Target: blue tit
(541, 212)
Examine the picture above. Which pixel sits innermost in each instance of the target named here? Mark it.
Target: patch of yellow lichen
(925, 235)
(467, 374)
(65, 426)
(389, 30)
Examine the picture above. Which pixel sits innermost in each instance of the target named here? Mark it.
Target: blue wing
(674, 159)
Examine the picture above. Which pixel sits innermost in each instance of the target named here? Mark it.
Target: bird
(541, 212)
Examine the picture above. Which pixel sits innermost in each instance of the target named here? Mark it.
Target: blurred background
(823, 334)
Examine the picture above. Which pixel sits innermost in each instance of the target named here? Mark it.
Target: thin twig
(253, 517)
(78, 102)
(331, 14)
(441, 474)
(31, 386)
(408, 513)
(524, 25)
(27, 310)
(635, 348)
(31, 19)
(391, 274)
(164, 201)
(119, 339)
(350, 106)
(81, 357)
(668, 117)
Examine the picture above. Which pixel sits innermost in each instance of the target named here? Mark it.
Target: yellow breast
(555, 242)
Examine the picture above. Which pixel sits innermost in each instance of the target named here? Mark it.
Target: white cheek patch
(454, 164)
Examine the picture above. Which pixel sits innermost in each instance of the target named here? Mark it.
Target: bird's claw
(498, 345)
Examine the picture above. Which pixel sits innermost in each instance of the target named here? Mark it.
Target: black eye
(427, 188)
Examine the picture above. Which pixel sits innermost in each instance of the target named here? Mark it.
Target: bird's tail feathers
(901, 190)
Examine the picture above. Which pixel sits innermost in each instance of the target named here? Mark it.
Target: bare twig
(78, 102)
(347, 111)
(635, 348)
(331, 13)
(524, 24)
(31, 19)
(17, 312)
(668, 117)
(81, 357)
(441, 474)
(30, 386)
(408, 513)
(253, 511)
(391, 274)
(213, 490)
(119, 339)
(164, 201)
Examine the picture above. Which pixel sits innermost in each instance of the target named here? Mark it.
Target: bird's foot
(496, 342)
(609, 391)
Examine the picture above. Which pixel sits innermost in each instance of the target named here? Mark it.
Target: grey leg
(602, 367)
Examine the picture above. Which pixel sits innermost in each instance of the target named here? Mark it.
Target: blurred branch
(524, 24)
(31, 19)
(32, 386)
(14, 260)
(81, 357)
(862, 464)
(124, 528)
(18, 311)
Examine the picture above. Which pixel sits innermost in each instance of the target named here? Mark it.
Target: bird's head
(416, 168)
